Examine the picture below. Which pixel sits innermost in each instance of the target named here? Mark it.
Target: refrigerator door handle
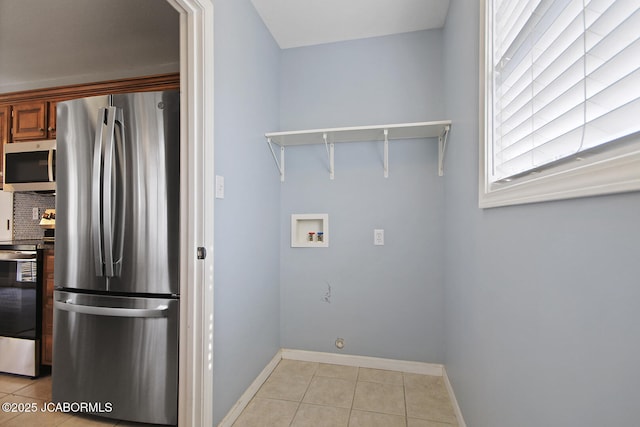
(107, 193)
(96, 192)
(119, 193)
(107, 186)
(68, 305)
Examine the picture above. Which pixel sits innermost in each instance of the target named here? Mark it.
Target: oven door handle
(17, 256)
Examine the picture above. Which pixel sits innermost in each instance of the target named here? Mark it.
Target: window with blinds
(564, 80)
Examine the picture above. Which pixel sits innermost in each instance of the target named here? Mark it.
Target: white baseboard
(422, 368)
(364, 362)
(246, 397)
(454, 401)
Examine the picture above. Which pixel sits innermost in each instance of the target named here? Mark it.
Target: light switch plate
(219, 187)
(378, 237)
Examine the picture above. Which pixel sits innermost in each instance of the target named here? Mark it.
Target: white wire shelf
(386, 133)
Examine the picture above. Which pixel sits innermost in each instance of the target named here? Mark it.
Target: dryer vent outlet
(340, 343)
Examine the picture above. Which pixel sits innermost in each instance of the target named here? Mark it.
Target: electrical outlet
(378, 237)
(36, 214)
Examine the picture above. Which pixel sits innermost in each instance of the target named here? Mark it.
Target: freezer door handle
(68, 305)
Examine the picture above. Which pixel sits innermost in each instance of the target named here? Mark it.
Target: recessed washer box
(309, 230)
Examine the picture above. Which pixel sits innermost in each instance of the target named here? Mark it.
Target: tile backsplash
(24, 226)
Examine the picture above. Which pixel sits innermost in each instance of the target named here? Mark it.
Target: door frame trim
(195, 397)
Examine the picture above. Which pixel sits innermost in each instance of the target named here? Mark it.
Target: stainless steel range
(20, 309)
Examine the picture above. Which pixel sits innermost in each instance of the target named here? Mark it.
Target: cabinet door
(29, 121)
(51, 119)
(5, 123)
(47, 308)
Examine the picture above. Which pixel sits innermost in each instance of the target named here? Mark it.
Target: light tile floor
(21, 390)
(300, 394)
(296, 394)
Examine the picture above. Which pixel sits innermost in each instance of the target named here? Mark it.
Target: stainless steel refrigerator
(116, 271)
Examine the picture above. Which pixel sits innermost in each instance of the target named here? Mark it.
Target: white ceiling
(295, 23)
(46, 43)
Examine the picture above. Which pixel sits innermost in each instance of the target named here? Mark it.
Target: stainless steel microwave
(30, 166)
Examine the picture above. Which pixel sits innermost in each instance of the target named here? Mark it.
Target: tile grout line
(404, 396)
(304, 394)
(353, 399)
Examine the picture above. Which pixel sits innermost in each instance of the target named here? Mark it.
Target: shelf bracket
(386, 153)
(442, 148)
(330, 152)
(280, 163)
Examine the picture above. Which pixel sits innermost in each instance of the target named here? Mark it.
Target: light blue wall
(372, 81)
(247, 306)
(385, 301)
(542, 301)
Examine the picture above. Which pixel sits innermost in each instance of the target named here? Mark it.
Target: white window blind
(565, 80)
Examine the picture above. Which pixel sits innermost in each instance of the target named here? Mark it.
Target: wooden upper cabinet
(5, 124)
(51, 121)
(35, 120)
(29, 121)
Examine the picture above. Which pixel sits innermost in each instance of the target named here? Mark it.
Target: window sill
(609, 172)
